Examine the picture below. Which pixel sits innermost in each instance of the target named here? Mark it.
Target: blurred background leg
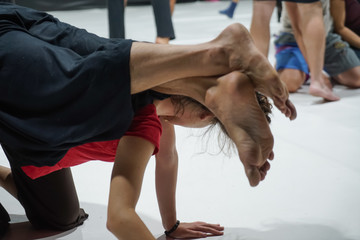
(116, 18)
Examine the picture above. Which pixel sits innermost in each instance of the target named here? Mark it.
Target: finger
(201, 225)
(193, 234)
(215, 226)
(210, 230)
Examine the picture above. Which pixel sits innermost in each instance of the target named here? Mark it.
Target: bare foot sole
(246, 58)
(233, 101)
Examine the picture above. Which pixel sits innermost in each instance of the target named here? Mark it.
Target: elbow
(112, 223)
(338, 28)
(116, 223)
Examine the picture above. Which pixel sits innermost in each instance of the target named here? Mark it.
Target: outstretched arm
(125, 187)
(166, 178)
(337, 9)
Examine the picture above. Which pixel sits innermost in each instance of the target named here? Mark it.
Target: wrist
(172, 229)
(169, 221)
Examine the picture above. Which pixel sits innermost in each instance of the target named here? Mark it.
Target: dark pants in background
(162, 14)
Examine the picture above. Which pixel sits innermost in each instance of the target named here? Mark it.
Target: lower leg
(308, 24)
(350, 78)
(163, 21)
(232, 50)
(260, 24)
(116, 18)
(159, 64)
(51, 201)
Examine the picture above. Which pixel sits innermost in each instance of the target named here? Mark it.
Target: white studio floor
(312, 191)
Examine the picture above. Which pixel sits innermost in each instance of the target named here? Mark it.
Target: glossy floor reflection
(311, 192)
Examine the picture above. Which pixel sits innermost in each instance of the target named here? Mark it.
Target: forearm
(122, 219)
(166, 178)
(349, 36)
(125, 187)
(338, 13)
(166, 175)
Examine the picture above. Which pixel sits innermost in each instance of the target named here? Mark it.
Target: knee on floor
(350, 78)
(63, 221)
(355, 83)
(355, 79)
(292, 78)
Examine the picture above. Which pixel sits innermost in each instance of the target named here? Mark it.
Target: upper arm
(132, 156)
(337, 10)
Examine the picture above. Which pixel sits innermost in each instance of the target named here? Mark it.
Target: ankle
(4, 173)
(162, 40)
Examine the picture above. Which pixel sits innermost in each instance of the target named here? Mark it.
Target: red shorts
(145, 124)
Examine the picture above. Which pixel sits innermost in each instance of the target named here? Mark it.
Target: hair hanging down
(265, 105)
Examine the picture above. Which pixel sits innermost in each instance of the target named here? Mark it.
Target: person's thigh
(301, 12)
(288, 54)
(341, 61)
(357, 51)
(350, 78)
(49, 94)
(290, 63)
(265, 7)
(44, 26)
(51, 201)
